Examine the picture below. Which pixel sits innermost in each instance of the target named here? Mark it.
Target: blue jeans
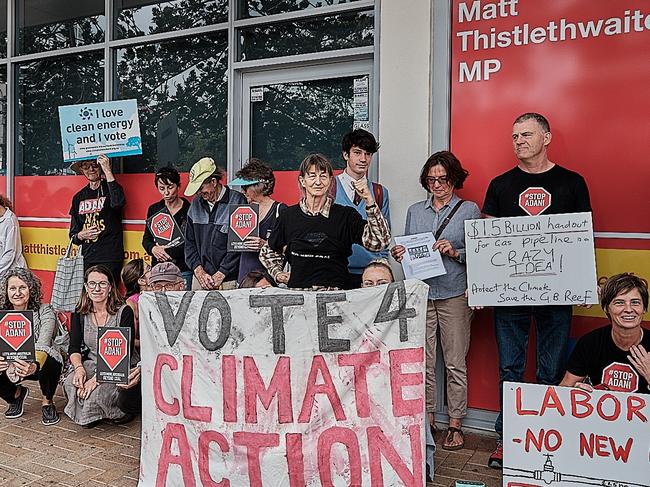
(512, 327)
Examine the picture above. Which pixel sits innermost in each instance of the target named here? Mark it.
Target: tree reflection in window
(57, 24)
(261, 8)
(43, 86)
(142, 17)
(296, 119)
(185, 79)
(343, 31)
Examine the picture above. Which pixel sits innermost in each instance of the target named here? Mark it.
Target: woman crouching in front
(100, 304)
(20, 290)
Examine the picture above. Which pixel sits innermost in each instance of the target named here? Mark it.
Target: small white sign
(420, 260)
(361, 85)
(257, 94)
(564, 437)
(361, 124)
(531, 260)
(360, 100)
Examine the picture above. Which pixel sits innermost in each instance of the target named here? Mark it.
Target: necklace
(97, 320)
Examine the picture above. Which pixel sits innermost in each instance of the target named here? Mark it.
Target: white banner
(531, 260)
(271, 387)
(563, 436)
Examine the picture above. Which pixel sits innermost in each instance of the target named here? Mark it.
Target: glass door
(292, 112)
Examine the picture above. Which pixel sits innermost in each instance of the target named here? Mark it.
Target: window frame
(235, 68)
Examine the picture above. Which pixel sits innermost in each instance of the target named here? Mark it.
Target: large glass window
(182, 92)
(261, 8)
(295, 119)
(43, 86)
(46, 25)
(135, 18)
(343, 31)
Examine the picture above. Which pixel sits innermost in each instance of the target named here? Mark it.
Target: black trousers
(47, 377)
(130, 400)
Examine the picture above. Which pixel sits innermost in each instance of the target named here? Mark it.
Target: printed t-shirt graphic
(535, 201)
(90, 210)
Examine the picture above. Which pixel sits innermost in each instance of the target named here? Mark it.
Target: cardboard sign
(281, 387)
(113, 354)
(522, 261)
(564, 436)
(90, 129)
(165, 230)
(243, 222)
(17, 336)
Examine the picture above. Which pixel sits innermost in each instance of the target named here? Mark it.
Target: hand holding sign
(398, 252)
(445, 247)
(105, 163)
(160, 253)
(25, 369)
(254, 243)
(134, 378)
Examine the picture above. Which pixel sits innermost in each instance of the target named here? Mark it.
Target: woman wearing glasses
(443, 213)
(100, 304)
(168, 182)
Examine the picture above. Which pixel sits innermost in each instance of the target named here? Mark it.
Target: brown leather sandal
(449, 438)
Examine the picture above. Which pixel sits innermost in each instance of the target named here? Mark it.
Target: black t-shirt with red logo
(596, 356)
(518, 193)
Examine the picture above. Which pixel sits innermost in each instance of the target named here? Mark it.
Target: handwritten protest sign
(284, 388)
(90, 129)
(531, 260)
(563, 436)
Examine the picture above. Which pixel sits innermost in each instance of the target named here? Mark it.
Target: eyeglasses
(88, 165)
(167, 286)
(433, 180)
(95, 285)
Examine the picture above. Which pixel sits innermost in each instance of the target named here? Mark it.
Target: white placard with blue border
(90, 129)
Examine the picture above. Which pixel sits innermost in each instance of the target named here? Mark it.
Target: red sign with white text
(579, 64)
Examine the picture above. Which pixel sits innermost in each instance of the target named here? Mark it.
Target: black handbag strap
(446, 221)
